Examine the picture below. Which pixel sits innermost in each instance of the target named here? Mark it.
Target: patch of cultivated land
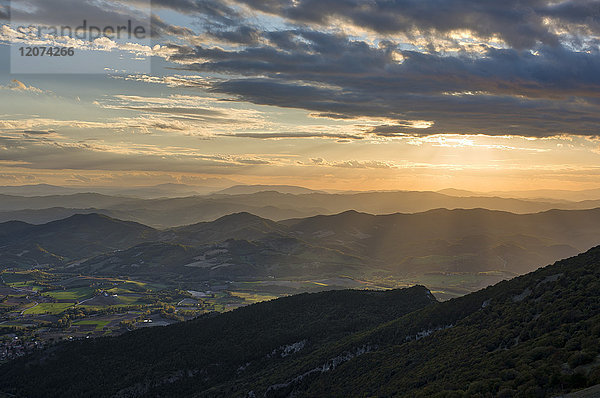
(77, 294)
(47, 308)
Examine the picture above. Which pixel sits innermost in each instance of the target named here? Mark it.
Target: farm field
(47, 308)
(76, 294)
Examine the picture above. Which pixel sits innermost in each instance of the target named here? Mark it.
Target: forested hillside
(208, 351)
(535, 335)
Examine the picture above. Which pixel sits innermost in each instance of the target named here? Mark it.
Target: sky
(327, 94)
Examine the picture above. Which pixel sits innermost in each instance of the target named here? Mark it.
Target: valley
(45, 307)
(534, 335)
(91, 275)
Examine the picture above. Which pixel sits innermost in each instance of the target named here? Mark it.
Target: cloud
(341, 62)
(246, 35)
(17, 85)
(182, 81)
(39, 132)
(74, 12)
(296, 134)
(43, 153)
(188, 113)
(552, 91)
(30, 35)
(39, 124)
(520, 23)
(520, 67)
(356, 164)
(212, 10)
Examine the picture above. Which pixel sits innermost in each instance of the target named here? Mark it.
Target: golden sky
(329, 97)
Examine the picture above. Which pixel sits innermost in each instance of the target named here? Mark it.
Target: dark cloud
(468, 114)
(246, 35)
(213, 10)
(554, 90)
(210, 14)
(579, 12)
(73, 12)
(546, 82)
(523, 24)
(519, 22)
(336, 60)
(161, 28)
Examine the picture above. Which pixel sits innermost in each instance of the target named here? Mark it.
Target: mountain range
(271, 204)
(154, 191)
(560, 195)
(355, 244)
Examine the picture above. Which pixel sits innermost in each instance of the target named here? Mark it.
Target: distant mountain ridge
(535, 194)
(243, 245)
(250, 189)
(153, 191)
(215, 186)
(173, 212)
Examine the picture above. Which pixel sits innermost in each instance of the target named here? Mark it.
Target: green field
(124, 307)
(50, 308)
(27, 285)
(133, 286)
(251, 298)
(120, 290)
(100, 313)
(80, 293)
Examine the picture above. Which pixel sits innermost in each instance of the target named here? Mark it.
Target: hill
(455, 240)
(43, 216)
(73, 238)
(208, 348)
(536, 335)
(233, 226)
(232, 259)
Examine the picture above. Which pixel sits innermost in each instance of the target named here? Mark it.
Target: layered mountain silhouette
(243, 245)
(292, 202)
